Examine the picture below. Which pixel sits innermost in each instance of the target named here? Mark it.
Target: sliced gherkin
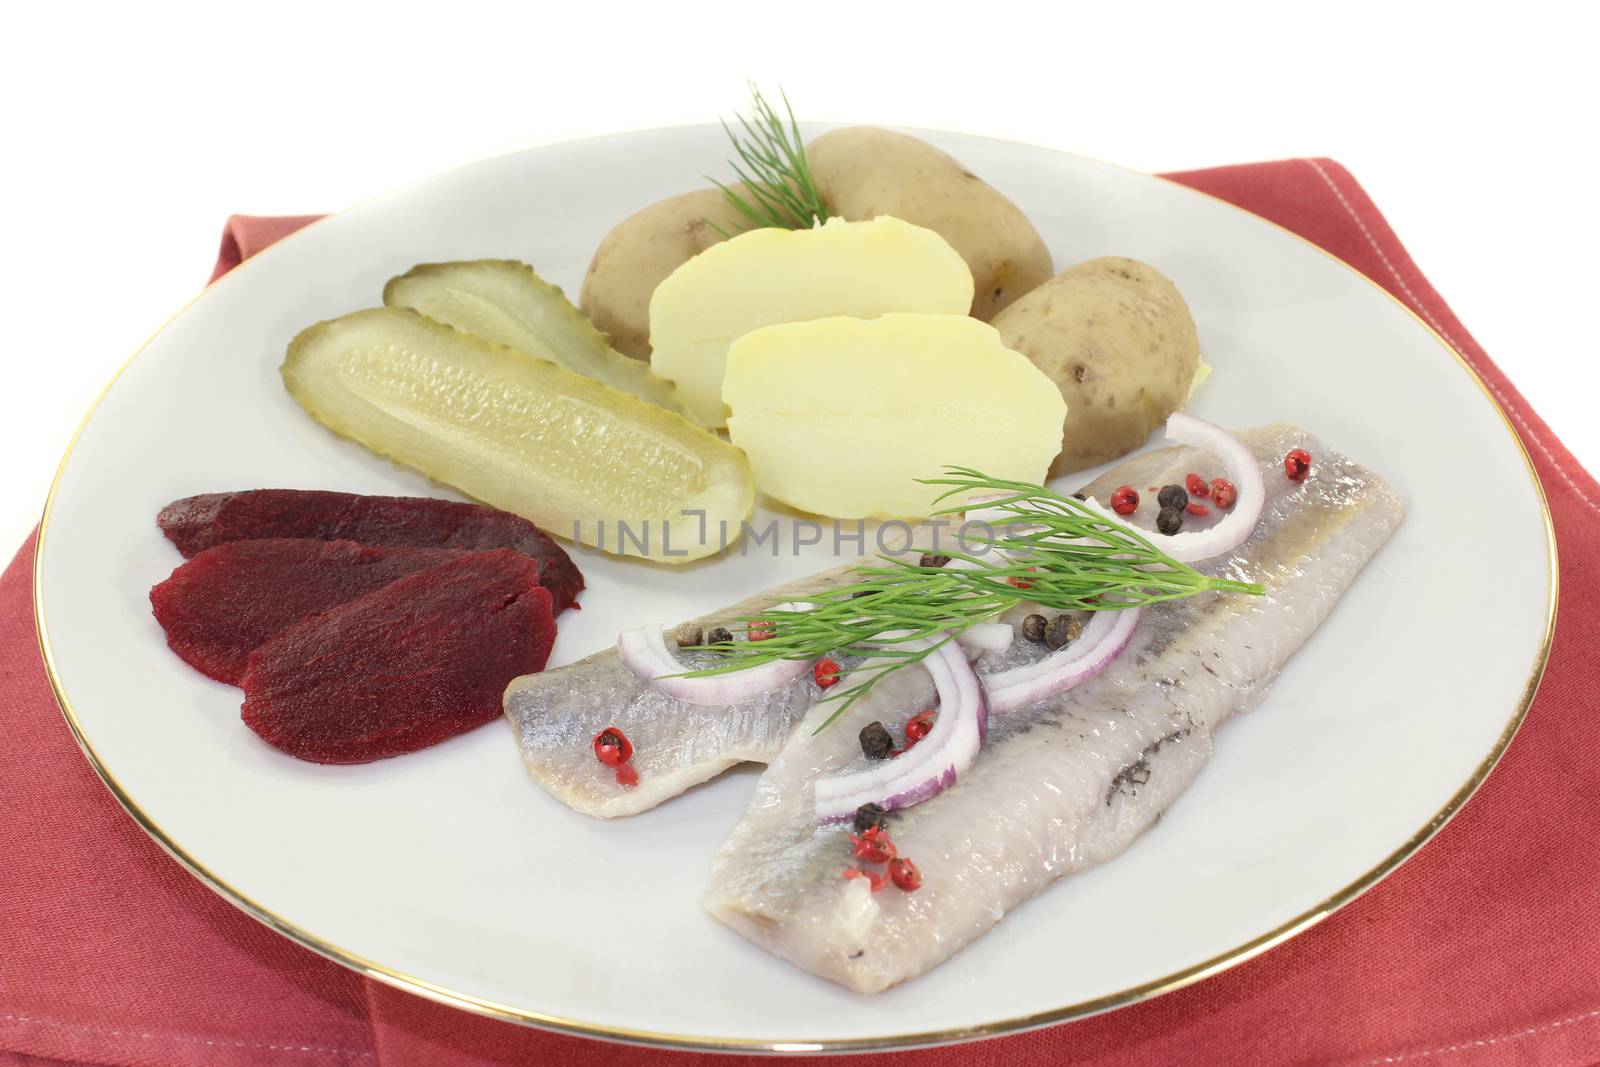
(576, 457)
(504, 301)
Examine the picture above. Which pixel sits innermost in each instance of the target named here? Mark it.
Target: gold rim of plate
(1134, 994)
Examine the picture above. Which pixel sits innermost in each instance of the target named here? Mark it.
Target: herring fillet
(1063, 784)
(556, 714)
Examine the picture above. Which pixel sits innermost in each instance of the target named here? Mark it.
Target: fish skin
(556, 714)
(1065, 783)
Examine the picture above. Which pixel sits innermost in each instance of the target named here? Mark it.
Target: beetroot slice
(197, 523)
(225, 602)
(420, 660)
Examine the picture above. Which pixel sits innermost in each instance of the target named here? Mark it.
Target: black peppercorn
(1170, 521)
(1033, 627)
(719, 635)
(875, 741)
(689, 635)
(1062, 631)
(1173, 496)
(930, 559)
(870, 815)
(1080, 496)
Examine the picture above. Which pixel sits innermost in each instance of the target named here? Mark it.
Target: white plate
(449, 873)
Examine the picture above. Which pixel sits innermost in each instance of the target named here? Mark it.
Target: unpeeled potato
(865, 171)
(862, 172)
(640, 252)
(841, 416)
(1116, 337)
(864, 269)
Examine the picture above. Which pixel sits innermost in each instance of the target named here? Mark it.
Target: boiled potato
(641, 251)
(841, 416)
(863, 269)
(1117, 339)
(864, 171)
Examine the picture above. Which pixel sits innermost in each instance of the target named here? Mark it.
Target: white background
(129, 134)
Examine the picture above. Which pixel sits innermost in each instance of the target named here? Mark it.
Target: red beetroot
(228, 600)
(197, 523)
(420, 660)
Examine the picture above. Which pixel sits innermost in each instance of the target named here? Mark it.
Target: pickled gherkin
(573, 456)
(504, 301)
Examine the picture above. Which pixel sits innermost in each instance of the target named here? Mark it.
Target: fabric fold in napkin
(1483, 949)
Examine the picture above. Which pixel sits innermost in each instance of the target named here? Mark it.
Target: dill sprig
(772, 166)
(1045, 548)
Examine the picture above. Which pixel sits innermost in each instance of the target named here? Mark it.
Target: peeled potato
(1116, 337)
(841, 416)
(861, 269)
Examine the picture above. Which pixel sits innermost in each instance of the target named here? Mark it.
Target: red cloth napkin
(1485, 948)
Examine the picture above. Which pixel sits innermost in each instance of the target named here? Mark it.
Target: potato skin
(641, 251)
(864, 171)
(1117, 338)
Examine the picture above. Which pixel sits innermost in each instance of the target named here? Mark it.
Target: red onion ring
(1242, 469)
(644, 651)
(1101, 642)
(932, 766)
